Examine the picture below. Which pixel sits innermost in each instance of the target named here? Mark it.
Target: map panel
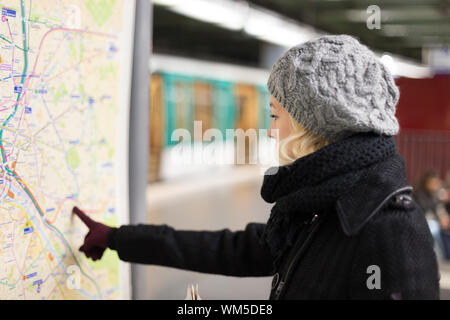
(64, 90)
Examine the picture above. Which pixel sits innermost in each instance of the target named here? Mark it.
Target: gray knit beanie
(334, 86)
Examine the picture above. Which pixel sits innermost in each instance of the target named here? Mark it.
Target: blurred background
(210, 62)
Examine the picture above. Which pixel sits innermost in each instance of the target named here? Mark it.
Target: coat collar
(348, 170)
(365, 198)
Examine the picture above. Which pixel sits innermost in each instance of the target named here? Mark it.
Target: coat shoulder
(402, 215)
(357, 211)
(400, 207)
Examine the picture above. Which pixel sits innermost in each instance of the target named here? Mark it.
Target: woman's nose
(273, 132)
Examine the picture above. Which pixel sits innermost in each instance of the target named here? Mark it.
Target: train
(220, 96)
(224, 96)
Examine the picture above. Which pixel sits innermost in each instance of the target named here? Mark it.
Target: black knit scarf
(312, 184)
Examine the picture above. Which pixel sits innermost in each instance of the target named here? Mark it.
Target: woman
(344, 225)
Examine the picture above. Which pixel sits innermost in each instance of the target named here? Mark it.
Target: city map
(62, 131)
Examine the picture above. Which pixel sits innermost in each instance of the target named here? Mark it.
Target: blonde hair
(299, 143)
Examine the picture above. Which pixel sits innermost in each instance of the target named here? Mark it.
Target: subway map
(64, 69)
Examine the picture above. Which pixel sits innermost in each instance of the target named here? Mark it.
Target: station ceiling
(176, 34)
(406, 27)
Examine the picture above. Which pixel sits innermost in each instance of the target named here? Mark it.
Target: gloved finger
(87, 254)
(96, 253)
(96, 250)
(89, 248)
(84, 248)
(87, 236)
(87, 221)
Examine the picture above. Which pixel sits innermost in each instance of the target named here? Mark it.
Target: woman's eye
(273, 116)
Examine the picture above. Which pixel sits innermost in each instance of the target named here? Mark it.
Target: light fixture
(239, 15)
(400, 67)
(388, 61)
(272, 28)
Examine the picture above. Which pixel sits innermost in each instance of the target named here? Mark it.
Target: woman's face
(280, 120)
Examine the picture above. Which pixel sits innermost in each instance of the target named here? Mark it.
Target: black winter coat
(359, 235)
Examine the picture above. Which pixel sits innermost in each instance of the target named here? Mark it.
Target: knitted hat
(334, 86)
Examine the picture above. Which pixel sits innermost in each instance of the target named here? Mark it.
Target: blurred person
(428, 196)
(447, 191)
(343, 224)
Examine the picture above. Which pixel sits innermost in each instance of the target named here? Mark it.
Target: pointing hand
(95, 241)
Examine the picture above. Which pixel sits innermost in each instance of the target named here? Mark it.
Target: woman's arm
(238, 253)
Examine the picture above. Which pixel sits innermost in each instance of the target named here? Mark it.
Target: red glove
(95, 242)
